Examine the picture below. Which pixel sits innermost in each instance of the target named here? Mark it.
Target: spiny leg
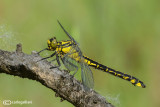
(52, 60)
(42, 50)
(47, 57)
(59, 64)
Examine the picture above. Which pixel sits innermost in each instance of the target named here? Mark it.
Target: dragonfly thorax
(52, 44)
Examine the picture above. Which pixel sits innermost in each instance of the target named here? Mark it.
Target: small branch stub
(19, 48)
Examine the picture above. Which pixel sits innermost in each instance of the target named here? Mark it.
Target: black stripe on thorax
(64, 45)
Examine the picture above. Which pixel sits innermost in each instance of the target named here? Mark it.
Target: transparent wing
(73, 58)
(67, 33)
(69, 60)
(86, 75)
(70, 63)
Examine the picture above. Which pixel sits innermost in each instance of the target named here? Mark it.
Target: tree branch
(68, 88)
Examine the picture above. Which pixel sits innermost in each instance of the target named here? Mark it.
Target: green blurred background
(121, 34)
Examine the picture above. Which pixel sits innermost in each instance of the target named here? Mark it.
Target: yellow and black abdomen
(132, 79)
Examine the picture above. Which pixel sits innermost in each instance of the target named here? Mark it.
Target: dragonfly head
(52, 44)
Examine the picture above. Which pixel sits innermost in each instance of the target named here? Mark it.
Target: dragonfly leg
(42, 50)
(47, 57)
(53, 60)
(59, 64)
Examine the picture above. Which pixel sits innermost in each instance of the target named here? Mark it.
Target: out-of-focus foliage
(121, 34)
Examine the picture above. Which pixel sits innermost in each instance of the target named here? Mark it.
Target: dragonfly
(73, 59)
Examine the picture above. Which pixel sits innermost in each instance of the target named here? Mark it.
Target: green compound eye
(52, 44)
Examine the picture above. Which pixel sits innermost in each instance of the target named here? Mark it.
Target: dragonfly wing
(86, 75)
(67, 32)
(68, 59)
(70, 63)
(73, 58)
